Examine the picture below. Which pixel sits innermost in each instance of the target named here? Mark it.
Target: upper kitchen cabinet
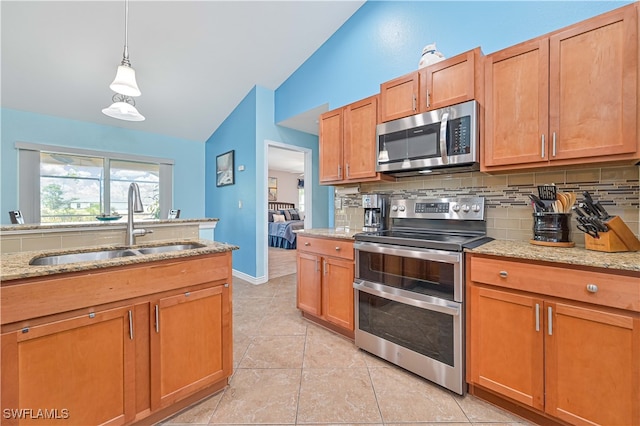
(454, 80)
(566, 98)
(348, 143)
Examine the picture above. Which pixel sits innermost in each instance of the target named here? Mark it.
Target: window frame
(29, 175)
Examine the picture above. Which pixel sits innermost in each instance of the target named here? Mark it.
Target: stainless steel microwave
(442, 140)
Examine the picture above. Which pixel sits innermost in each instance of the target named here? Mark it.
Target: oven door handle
(428, 254)
(417, 300)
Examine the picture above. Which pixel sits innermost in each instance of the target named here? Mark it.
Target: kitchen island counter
(626, 261)
(16, 265)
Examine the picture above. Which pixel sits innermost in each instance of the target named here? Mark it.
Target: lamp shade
(125, 82)
(123, 111)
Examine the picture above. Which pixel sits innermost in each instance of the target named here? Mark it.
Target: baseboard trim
(250, 279)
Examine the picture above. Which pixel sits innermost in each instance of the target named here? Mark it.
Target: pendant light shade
(125, 85)
(123, 111)
(125, 82)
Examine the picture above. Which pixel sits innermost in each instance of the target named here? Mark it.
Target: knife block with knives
(618, 238)
(604, 232)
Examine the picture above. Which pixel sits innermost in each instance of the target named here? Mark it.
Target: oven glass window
(422, 276)
(423, 331)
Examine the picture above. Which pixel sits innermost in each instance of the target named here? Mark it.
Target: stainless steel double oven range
(409, 286)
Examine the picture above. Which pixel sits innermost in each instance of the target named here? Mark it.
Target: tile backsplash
(508, 206)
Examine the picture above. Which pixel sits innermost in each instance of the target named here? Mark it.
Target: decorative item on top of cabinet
(567, 98)
(555, 343)
(325, 282)
(448, 82)
(348, 143)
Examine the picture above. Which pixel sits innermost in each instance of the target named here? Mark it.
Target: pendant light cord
(125, 54)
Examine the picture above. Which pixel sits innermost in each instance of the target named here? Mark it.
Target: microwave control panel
(459, 137)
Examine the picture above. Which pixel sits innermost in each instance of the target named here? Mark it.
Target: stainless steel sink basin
(169, 248)
(60, 259)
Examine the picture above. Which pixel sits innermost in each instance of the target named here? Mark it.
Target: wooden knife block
(617, 239)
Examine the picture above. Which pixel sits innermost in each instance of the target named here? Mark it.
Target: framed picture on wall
(273, 189)
(225, 169)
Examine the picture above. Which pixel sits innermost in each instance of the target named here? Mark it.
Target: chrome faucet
(134, 204)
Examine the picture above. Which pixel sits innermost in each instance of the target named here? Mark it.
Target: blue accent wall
(20, 126)
(384, 40)
(247, 130)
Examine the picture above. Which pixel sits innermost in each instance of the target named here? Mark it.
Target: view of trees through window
(72, 187)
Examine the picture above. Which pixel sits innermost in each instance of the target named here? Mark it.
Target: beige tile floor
(290, 371)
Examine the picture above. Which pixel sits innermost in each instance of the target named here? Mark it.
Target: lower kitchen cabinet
(69, 365)
(113, 361)
(569, 360)
(325, 282)
(190, 343)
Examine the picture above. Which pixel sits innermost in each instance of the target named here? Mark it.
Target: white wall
(287, 186)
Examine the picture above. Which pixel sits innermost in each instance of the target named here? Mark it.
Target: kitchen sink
(169, 248)
(60, 259)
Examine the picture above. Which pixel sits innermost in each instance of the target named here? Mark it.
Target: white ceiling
(194, 60)
(285, 160)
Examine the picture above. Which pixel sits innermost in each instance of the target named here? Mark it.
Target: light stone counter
(628, 261)
(74, 226)
(340, 233)
(16, 265)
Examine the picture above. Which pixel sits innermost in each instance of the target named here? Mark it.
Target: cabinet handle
(324, 266)
(317, 270)
(347, 171)
(428, 100)
(130, 324)
(414, 102)
(504, 274)
(337, 248)
(157, 319)
(226, 285)
(307, 244)
(553, 144)
(339, 171)
(592, 288)
(537, 317)
(543, 146)
(550, 318)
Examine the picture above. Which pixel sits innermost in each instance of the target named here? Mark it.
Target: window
(77, 185)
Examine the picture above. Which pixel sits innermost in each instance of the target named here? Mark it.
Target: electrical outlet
(239, 204)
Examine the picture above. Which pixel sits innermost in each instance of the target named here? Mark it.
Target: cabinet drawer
(342, 249)
(600, 288)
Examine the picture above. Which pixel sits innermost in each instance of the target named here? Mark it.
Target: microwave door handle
(443, 138)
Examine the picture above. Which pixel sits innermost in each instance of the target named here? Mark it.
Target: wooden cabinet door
(592, 366)
(309, 294)
(330, 142)
(593, 87)
(360, 120)
(517, 105)
(190, 343)
(448, 82)
(507, 345)
(399, 97)
(80, 369)
(337, 285)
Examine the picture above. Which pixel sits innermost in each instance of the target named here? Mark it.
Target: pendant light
(125, 86)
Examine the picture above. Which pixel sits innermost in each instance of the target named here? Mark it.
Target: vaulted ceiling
(194, 60)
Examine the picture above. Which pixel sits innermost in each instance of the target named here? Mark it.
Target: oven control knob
(465, 208)
(401, 208)
(394, 208)
(455, 208)
(475, 208)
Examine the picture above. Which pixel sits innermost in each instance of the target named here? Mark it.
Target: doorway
(287, 169)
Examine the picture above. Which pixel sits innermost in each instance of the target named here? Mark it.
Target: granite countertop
(340, 232)
(14, 266)
(627, 261)
(96, 224)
